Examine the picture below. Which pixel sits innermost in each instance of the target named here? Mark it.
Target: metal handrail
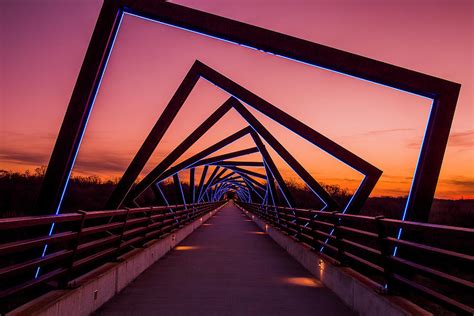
(80, 242)
(367, 244)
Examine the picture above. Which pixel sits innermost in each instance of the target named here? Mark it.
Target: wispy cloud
(387, 178)
(462, 140)
(24, 158)
(13, 136)
(97, 163)
(463, 183)
(387, 131)
(105, 164)
(377, 133)
(459, 187)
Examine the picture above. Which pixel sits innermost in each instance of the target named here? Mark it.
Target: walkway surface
(226, 267)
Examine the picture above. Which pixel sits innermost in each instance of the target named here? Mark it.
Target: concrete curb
(95, 288)
(357, 291)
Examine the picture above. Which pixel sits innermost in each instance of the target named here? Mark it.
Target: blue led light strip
(181, 190)
(82, 135)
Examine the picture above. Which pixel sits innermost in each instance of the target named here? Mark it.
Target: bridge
(229, 266)
(233, 240)
(332, 263)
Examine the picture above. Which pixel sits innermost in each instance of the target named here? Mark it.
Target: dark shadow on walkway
(226, 267)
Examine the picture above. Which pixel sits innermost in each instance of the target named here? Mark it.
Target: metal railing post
(385, 258)
(338, 234)
(119, 242)
(299, 224)
(67, 277)
(147, 225)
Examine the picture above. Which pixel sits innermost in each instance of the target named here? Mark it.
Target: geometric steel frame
(230, 163)
(160, 173)
(209, 184)
(225, 182)
(251, 183)
(215, 179)
(199, 70)
(202, 188)
(248, 183)
(443, 93)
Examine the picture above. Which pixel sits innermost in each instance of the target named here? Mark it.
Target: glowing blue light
(181, 28)
(268, 168)
(322, 200)
(223, 89)
(221, 189)
(265, 197)
(343, 212)
(270, 53)
(162, 194)
(399, 235)
(250, 186)
(268, 183)
(352, 76)
(327, 239)
(82, 135)
(208, 186)
(352, 197)
(278, 55)
(181, 190)
(284, 195)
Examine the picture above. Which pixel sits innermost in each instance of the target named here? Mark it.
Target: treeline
(19, 193)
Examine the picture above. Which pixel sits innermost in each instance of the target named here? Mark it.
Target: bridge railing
(40, 253)
(400, 257)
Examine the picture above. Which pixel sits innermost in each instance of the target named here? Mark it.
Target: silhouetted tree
(19, 192)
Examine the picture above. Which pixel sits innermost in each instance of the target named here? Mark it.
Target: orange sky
(42, 47)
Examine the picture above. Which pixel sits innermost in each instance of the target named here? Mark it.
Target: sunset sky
(43, 44)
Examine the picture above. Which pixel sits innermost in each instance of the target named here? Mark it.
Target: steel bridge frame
(443, 93)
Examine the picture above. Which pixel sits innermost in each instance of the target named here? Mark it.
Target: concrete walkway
(226, 267)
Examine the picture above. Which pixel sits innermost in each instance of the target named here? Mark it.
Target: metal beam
(120, 194)
(287, 157)
(157, 175)
(209, 181)
(271, 168)
(191, 185)
(201, 182)
(248, 172)
(179, 189)
(234, 154)
(79, 109)
(443, 93)
(229, 163)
